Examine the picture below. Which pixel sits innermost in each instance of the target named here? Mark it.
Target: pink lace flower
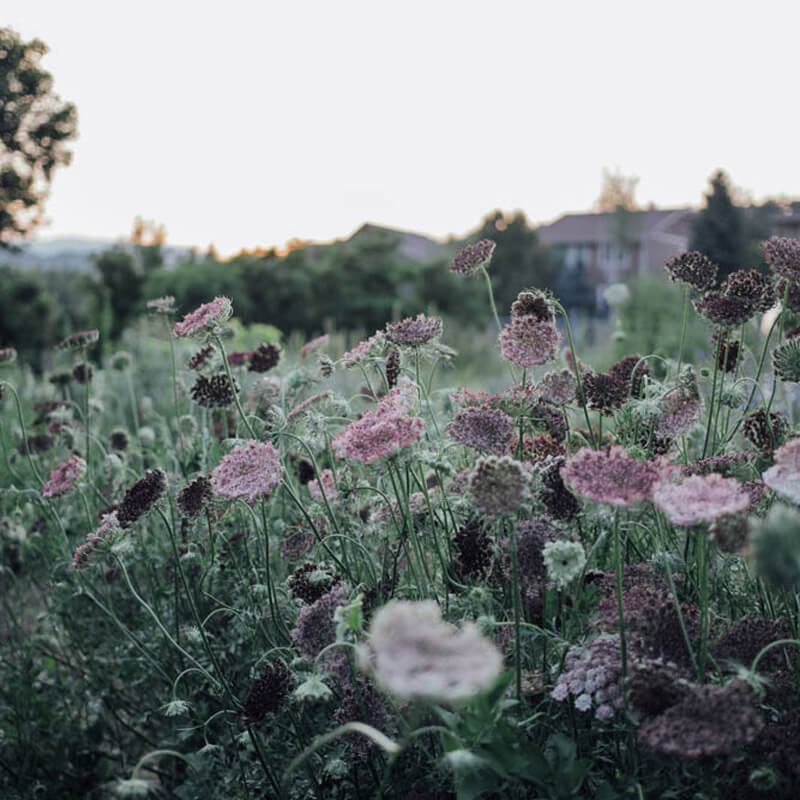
(63, 477)
(700, 498)
(96, 542)
(314, 344)
(383, 432)
(485, 428)
(250, 471)
(526, 341)
(784, 477)
(610, 476)
(328, 485)
(364, 349)
(205, 317)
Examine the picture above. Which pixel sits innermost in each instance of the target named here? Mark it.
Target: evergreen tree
(719, 229)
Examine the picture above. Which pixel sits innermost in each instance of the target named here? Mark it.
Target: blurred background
(320, 164)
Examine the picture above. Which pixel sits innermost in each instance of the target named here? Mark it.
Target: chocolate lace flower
(526, 341)
(700, 498)
(605, 392)
(485, 428)
(269, 692)
(782, 254)
(610, 476)
(725, 310)
(264, 358)
(64, 477)
(752, 287)
(694, 268)
(532, 304)
(213, 392)
(471, 258)
(416, 331)
(418, 656)
(194, 497)
(250, 471)
(141, 497)
(784, 476)
(498, 485)
(765, 434)
(207, 318)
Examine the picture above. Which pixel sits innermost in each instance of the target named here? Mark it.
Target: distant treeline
(362, 283)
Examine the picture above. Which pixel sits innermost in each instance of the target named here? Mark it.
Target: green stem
(227, 366)
(620, 606)
(683, 326)
(517, 610)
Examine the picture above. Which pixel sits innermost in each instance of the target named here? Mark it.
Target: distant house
(607, 248)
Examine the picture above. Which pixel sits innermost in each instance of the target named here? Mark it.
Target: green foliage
(28, 314)
(35, 126)
(652, 318)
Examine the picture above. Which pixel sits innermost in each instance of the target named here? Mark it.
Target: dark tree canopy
(719, 229)
(35, 126)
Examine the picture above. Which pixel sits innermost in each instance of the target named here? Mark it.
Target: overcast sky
(249, 123)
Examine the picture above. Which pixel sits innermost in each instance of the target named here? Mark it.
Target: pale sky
(248, 123)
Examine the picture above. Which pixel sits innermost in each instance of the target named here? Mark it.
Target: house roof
(597, 228)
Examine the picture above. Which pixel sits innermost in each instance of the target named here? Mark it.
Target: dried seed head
(264, 358)
(472, 257)
(694, 268)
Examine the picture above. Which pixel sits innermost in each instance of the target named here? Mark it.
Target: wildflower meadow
(314, 572)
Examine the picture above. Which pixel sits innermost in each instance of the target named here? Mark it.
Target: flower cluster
(786, 361)
(315, 627)
(250, 471)
(526, 341)
(418, 656)
(327, 483)
(96, 542)
(194, 497)
(610, 476)
(711, 721)
(532, 304)
(605, 392)
(162, 305)
(593, 676)
(485, 428)
(264, 358)
(207, 318)
(564, 561)
(694, 268)
(498, 485)
(414, 331)
(723, 309)
(784, 476)
(80, 340)
(201, 357)
(309, 582)
(269, 692)
(764, 432)
(700, 498)
(473, 257)
(141, 497)
(64, 477)
(782, 254)
(364, 350)
(752, 287)
(383, 432)
(213, 392)
(558, 388)
(82, 373)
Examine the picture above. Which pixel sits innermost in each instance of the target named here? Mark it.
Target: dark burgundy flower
(264, 358)
(82, 373)
(694, 268)
(269, 692)
(605, 392)
(765, 434)
(393, 367)
(753, 287)
(192, 499)
(725, 310)
(473, 550)
(213, 392)
(201, 357)
(632, 370)
(311, 581)
(141, 497)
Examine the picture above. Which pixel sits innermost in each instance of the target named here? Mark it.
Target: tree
(719, 229)
(35, 126)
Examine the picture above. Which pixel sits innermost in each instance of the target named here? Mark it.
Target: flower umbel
(498, 485)
(471, 258)
(250, 471)
(700, 498)
(207, 318)
(784, 476)
(418, 656)
(526, 341)
(64, 477)
(416, 331)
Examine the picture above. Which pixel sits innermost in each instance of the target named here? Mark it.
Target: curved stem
(227, 366)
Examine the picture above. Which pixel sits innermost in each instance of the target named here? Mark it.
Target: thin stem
(227, 366)
(517, 610)
(683, 327)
